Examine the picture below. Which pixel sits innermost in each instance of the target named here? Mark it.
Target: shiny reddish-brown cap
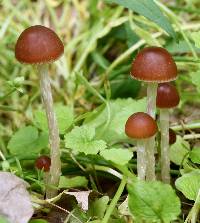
(172, 137)
(37, 45)
(167, 96)
(43, 163)
(140, 126)
(154, 64)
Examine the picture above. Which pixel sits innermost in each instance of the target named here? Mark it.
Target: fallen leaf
(15, 203)
(81, 197)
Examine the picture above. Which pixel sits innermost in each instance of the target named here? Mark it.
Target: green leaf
(73, 182)
(27, 141)
(124, 87)
(100, 60)
(118, 156)
(150, 10)
(179, 47)
(195, 77)
(64, 116)
(196, 38)
(195, 155)
(120, 110)
(82, 139)
(153, 202)
(3, 220)
(79, 214)
(38, 221)
(98, 207)
(179, 151)
(189, 184)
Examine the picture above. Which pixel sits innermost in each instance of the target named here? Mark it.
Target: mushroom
(167, 97)
(142, 127)
(43, 163)
(172, 137)
(39, 45)
(153, 65)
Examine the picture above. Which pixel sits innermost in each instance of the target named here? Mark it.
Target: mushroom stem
(150, 150)
(141, 159)
(165, 160)
(54, 140)
(151, 99)
(150, 146)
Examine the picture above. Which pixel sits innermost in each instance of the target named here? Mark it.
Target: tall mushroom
(142, 127)
(167, 97)
(153, 65)
(40, 46)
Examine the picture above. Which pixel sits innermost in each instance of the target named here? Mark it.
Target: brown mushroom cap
(172, 137)
(154, 64)
(167, 96)
(140, 126)
(38, 44)
(43, 162)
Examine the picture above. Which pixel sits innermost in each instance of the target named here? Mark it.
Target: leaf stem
(183, 126)
(114, 200)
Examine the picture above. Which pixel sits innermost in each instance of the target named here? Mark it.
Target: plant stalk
(141, 159)
(114, 201)
(165, 160)
(54, 139)
(150, 147)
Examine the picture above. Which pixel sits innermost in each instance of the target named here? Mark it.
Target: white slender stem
(151, 99)
(54, 140)
(141, 159)
(165, 160)
(150, 148)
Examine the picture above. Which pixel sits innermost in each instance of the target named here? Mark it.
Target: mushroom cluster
(156, 67)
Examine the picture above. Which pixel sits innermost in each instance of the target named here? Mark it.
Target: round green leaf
(189, 184)
(153, 202)
(82, 139)
(64, 116)
(179, 150)
(27, 141)
(118, 156)
(73, 182)
(195, 155)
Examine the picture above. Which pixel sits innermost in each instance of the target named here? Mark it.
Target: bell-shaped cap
(167, 96)
(154, 64)
(38, 45)
(43, 162)
(140, 125)
(172, 137)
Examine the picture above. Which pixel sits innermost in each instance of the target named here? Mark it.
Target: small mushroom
(142, 127)
(153, 65)
(172, 137)
(43, 163)
(39, 45)
(167, 98)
